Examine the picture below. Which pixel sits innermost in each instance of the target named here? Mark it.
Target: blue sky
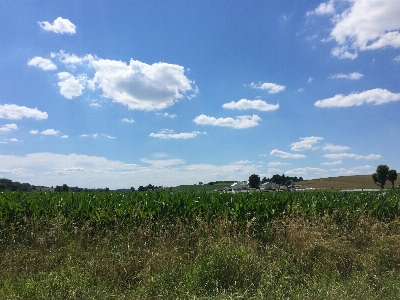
(129, 93)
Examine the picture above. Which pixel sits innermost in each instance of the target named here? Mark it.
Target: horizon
(178, 92)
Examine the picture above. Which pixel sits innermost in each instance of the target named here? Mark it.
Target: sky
(121, 94)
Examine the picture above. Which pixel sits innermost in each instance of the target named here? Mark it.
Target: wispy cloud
(351, 76)
(170, 134)
(306, 143)
(239, 122)
(340, 156)
(283, 154)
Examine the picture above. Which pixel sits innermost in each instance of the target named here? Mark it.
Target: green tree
(276, 179)
(392, 176)
(381, 175)
(254, 181)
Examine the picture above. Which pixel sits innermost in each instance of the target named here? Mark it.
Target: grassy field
(346, 182)
(188, 245)
(331, 183)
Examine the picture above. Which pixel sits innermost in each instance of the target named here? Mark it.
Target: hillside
(345, 182)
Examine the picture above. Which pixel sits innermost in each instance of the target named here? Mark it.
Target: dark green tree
(381, 175)
(264, 180)
(254, 181)
(276, 179)
(392, 176)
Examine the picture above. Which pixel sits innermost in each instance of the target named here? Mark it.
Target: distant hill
(346, 182)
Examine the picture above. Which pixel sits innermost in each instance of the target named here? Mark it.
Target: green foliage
(380, 176)
(254, 181)
(392, 177)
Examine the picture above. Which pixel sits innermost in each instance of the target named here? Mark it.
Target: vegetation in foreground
(305, 247)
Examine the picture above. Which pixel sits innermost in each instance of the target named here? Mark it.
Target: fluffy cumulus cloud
(142, 86)
(170, 134)
(42, 63)
(283, 154)
(327, 8)
(71, 86)
(8, 127)
(341, 156)
(50, 132)
(15, 112)
(375, 96)
(351, 76)
(251, 104)
(59, 25)
(366, 25)
(272, 88)
(307, 143)
(239, 122)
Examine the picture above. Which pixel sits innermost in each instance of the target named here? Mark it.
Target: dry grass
(296, 258)
(345, 182)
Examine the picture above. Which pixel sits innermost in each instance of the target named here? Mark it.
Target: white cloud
(34, 131)
(351, 155)
(64, 136)
(336, 162)
(283, 154)
(305, 170)
(84, 135)
(251, 104)
(94, 104)
(161, 163)
(170, 134)
(375, 96)
(241, 162)
(272, 88)
(327, 8)
(59, 25)
(71, 86)
(15, 112)
(142, 86)
(351, 76)
(277, 163)
(50, 132)
(367, 25)
(334, 148)
(42, 63)
(343, 52)
(126, 120)
(310, 80)
(166, 115)
(397, 58)
(71, 59)
(8, 127)
(352, 171)
(240, 122)
(306, 143)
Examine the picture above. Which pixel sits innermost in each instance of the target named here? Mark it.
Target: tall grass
(215, 248)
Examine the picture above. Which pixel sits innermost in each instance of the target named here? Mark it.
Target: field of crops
(31, 208)
(200, 245)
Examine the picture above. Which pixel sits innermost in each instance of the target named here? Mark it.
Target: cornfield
(110, 209)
